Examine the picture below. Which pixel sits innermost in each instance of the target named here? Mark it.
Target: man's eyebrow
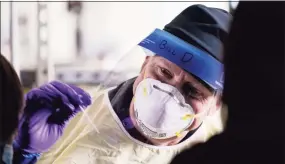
(201, 82)
(165, 63)
(194, 85)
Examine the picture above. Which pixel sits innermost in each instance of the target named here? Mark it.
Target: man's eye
(165, 73)
(196, 95)
(193, 92)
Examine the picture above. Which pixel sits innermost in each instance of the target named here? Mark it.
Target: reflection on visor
(171, 95)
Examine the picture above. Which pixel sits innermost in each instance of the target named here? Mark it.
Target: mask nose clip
(170, 94)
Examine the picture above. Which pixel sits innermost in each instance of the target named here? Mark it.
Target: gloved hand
(48, 109)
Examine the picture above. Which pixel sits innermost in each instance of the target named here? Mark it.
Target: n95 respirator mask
(160, 110)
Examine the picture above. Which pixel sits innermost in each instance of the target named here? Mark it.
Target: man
(150, 118)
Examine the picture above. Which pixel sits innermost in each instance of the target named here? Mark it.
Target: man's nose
(177, 81)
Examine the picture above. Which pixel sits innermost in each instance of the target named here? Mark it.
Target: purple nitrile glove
(48, 109)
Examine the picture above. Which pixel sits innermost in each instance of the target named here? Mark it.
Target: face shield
(162, 110)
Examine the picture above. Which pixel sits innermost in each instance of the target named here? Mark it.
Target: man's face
(195, 93)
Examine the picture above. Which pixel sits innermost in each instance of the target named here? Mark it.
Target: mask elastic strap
(187, 117)
(193, 116)
(144, 75)
(144, 85)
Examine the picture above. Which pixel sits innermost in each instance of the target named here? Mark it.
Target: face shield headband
(186, 56)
